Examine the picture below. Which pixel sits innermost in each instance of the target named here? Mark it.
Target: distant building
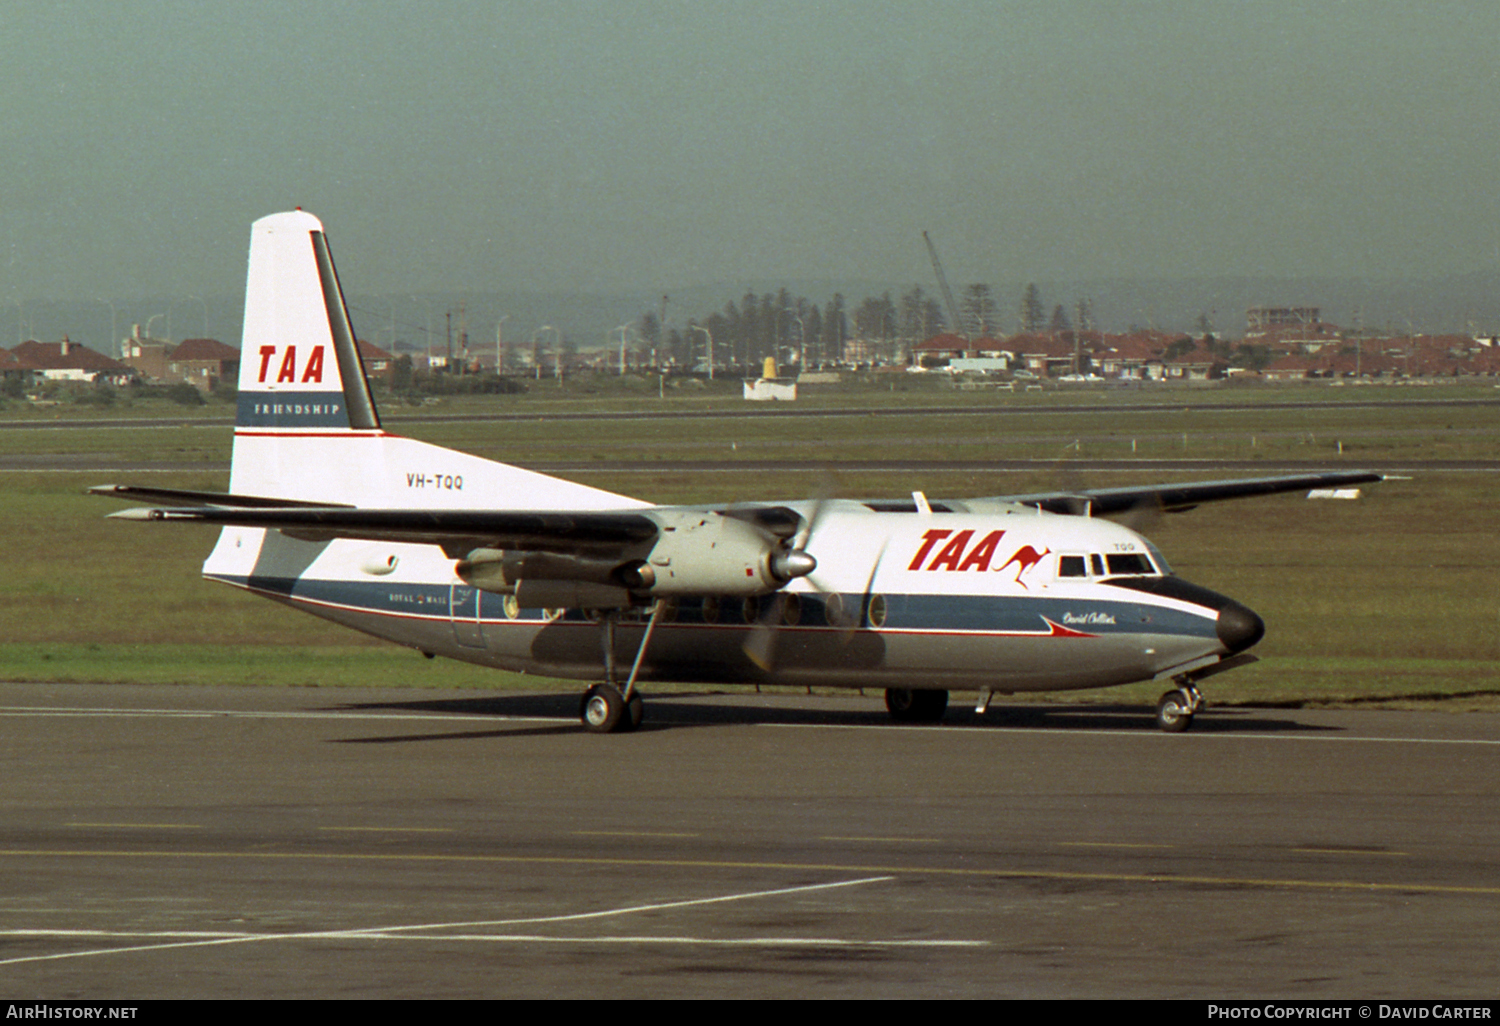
(1265, 318)
(70, 361)
(146, 354)
(202, 363)
(10, 367)
(378, 363)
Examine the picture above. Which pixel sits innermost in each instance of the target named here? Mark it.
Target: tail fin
(306, 427)
(300, 368)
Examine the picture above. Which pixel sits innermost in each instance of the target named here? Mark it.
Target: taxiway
(247, 842)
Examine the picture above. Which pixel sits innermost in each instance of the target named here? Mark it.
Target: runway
(246, 842)
(1100, 403)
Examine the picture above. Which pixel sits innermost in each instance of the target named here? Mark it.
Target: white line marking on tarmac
(630, 833)
(766, 942)
(136, 826)
(1155, 735)
(424, 931)
(389, 829)
(208, 714)
(1110, 844)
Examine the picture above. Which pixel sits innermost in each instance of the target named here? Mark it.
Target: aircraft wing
(457, 531)
(1176, 498)
(602, 533)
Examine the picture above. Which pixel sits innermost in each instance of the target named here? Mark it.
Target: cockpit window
(1071, 566)
(1098, 562)
(1159, 559)
(1123, 564)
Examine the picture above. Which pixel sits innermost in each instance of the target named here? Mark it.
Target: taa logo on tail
(312, 370)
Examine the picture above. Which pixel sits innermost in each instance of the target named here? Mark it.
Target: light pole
(428, 306)
(709, 335)
(114, 341)
(558, 354)
(536, 361)
(622, 329)
(500, 348)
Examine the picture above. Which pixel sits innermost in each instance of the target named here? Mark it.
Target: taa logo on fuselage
(288, 366)
(957, 555)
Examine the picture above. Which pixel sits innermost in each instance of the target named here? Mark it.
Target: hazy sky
(656, 144)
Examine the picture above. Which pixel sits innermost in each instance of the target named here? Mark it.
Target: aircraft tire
(916, 705)
(1174, 712)
(605, 711)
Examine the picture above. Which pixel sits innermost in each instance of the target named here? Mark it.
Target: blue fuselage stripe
(955, 613)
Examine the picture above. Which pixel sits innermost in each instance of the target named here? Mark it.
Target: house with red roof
(1049, 354)
(202, 363)
(378, 363)
(1135, 356)
(70, 361)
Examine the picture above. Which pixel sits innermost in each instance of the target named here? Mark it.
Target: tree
(750, 329)
(876, 318)
(1180, 347)
(649, 330)
(921, 315)
(814, 327)
(677, 350)
(835, 329)
(1060, 325)
(979, 310)
(1033, 312)
(1085, 315)
(401, 374)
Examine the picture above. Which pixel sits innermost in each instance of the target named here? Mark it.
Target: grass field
(1396, 596)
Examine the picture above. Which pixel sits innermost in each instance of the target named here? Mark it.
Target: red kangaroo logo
(1024, 559)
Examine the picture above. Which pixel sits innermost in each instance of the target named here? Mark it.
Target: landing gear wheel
(605, 711)
(916, 705)
(1174, 712)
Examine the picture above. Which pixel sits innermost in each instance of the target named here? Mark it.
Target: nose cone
(1238, 627)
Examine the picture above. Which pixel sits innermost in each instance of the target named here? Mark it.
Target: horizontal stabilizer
(183, 497)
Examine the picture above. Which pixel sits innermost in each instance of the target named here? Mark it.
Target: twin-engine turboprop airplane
(492, 564)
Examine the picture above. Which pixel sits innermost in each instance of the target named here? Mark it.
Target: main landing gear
(916, 705)
(607, 708)
(1175, 710)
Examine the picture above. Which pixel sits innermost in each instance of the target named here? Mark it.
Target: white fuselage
(1011, 599)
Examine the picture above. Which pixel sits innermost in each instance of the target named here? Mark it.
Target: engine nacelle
(705, 553)
(695, 553)
(500, 571)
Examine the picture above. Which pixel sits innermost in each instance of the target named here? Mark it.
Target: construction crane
(942, 279)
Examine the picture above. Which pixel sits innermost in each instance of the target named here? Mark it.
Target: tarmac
(201, 842)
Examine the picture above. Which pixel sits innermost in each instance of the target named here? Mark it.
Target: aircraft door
(463, 612)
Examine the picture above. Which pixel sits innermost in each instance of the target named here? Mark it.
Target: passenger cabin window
(1122, 564)
(1071, 566)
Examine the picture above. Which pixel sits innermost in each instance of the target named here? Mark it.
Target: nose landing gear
(1175, 709)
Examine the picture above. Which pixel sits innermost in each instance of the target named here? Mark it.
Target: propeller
(783, 608)
(793, 560)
